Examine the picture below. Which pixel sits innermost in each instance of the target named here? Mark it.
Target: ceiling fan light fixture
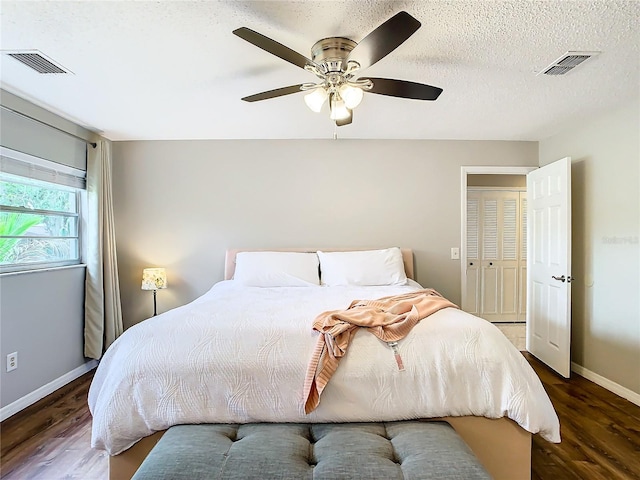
(351, 95)
(337, 62)
(339, 110)
(315, 99)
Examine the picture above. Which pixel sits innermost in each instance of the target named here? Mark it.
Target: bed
(238, 354)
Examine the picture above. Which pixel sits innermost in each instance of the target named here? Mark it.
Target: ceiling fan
(337, 61)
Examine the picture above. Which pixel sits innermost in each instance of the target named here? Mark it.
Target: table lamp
(154, 279)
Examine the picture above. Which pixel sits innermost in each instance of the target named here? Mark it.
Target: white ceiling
(174, 70)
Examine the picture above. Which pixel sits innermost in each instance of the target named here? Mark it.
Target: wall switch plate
(12, 361)
(455, 253)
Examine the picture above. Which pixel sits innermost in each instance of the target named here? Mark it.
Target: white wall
(605, 173)
(181, 204)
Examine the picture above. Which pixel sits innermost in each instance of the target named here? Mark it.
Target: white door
(549, 265)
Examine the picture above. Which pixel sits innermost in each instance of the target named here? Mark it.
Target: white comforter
(239, 354)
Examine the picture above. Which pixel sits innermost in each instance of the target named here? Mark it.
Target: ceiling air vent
(37, 61)
(567, 62)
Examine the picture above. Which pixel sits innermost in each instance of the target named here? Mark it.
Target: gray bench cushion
(394, 450)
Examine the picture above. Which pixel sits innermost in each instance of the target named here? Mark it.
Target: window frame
(77, 191)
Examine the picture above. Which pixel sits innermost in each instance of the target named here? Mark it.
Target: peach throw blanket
(389, 318)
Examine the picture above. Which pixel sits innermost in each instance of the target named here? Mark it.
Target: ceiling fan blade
(384, 39)
(273, 47)
(345, 121)
(403, 89)
(278, 92)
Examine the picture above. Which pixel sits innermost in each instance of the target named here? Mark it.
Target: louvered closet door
(471, 302)
(522, 263)
(494, 257)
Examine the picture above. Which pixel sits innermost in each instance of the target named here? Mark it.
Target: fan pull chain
(335, 131)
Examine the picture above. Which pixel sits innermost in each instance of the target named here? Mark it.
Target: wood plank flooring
(600, 432)
(51, 439)
(600, 435)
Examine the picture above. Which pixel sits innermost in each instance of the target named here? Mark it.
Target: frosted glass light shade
(154, 279)
(316, 99)
(339, 110)
(352, 96)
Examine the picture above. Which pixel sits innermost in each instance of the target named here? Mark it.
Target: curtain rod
(93, 144)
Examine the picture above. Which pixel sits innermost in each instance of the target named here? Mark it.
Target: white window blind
(23, 130)
(35, 168)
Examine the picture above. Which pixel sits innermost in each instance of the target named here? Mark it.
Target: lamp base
(154, 303)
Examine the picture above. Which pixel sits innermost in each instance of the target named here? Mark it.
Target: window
(39, 220)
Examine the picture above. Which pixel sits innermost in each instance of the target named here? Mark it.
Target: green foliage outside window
(14, 224)
(38, 222)
(37, 197)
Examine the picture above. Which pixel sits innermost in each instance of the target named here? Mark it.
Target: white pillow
(277, 269)
(366, 267)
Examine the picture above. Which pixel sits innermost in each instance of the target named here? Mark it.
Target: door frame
(477, 170)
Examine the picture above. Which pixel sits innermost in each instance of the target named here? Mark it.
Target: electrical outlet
(12, 361)
(455, 253)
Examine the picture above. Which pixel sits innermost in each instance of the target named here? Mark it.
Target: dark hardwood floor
(600, 432)
(600, 435)
(51, 439)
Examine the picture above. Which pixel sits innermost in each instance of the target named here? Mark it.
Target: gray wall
(41, 314)
(606, 249)
(43, 320)
(181, 204)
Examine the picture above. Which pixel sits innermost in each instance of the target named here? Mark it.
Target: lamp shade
(316, 99)
(154, 279)
(352, 96)
(339, 110)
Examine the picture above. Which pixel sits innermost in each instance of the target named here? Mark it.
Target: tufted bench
(394, 450)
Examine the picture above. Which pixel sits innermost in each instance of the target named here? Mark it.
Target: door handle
(562, 278)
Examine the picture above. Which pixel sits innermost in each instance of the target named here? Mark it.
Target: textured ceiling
(174, 70)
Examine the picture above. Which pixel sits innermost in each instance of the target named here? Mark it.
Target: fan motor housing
(331, 53)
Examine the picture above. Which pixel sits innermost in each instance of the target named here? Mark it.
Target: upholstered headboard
(230, 260)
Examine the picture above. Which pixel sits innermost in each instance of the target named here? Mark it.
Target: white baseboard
(33, 397)
(606, 383)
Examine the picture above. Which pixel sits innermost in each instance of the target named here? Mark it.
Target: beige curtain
(102, 311)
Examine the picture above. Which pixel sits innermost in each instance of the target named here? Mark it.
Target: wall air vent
(37, 61)
(567, 62)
